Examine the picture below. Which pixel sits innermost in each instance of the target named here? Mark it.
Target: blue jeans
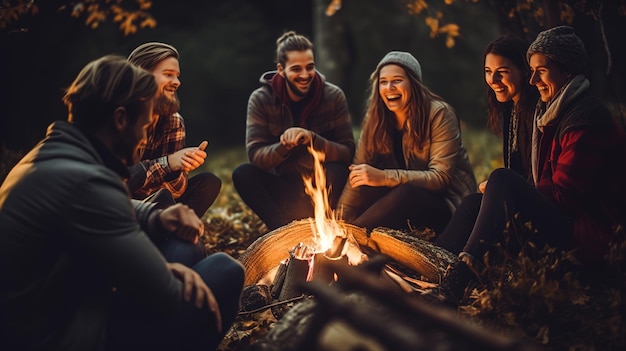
(176, 250)
(134, 326)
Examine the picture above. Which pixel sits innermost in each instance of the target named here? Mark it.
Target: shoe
(452, 288)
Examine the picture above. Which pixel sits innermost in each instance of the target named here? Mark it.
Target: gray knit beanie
(562, 45)
(404, 59)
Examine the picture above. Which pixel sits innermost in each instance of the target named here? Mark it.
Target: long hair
(148, 55)
(379, 122)
(514, 49)
(291, 41)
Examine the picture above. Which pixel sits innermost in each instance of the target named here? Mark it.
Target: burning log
(303, 265)
(264, 256)
(417, 254)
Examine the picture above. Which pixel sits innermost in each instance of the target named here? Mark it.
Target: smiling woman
(410, 166)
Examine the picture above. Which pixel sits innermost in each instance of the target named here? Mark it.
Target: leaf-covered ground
(540, 299)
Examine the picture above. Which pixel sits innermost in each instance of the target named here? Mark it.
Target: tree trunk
(329, 38)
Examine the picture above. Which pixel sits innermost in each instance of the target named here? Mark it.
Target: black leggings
(280, 199)
(508, 204)
(397, 207)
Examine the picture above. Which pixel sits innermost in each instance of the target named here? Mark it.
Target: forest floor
(543, 301)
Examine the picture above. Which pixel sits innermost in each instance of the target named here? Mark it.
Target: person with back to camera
(410, 164)
(294, 108)
(577, 198)
(162, 175)
(77, 270)
(511, 101)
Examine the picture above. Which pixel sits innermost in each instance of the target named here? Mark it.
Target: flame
(325, 226)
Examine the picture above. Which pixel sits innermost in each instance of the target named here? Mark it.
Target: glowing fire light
(325, 226)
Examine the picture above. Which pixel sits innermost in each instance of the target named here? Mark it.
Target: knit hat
(562, 45)
(404, 59)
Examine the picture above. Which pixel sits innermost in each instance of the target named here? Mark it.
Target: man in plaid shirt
(162, 174)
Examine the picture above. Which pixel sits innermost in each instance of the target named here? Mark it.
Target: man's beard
(295, 89)
(164, 106)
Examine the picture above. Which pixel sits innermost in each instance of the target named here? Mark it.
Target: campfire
(285, 265)
(331, 241)
(300, 251)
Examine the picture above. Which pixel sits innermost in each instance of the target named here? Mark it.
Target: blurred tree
(600, 23)
(227, 44)
(130, 15)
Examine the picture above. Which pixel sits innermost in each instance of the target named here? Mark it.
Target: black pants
(500, 217)
(202, 190)
(397, 207)
(280, 199)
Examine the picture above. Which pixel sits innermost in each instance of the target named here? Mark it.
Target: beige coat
(441, 165)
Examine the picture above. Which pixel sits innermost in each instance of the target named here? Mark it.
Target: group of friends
(100, 223)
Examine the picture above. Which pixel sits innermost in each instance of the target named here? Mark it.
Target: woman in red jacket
(578, 162)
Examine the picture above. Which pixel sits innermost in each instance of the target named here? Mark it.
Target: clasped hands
(189, 158)
(295, 136)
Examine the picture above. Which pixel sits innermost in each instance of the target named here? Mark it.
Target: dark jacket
(268, 117)
(582, 167)
(69, 234)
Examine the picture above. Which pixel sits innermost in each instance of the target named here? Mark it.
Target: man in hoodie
(77, 270)
(295, 107)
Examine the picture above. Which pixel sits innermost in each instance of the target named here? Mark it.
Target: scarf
(548, 112)
(280, 88)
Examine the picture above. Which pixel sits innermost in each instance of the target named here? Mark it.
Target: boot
(456, 279)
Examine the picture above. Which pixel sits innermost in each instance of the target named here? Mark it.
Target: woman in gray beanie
(578, 166)
(410, 167)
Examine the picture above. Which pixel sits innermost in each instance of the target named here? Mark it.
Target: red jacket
(582, 168)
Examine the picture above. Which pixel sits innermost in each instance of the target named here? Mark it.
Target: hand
(192, 282)
(364, 174)
(295, 136)
(189, 158)
(482, 186)
(183, 222)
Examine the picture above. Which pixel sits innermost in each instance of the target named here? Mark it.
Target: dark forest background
(226, 45)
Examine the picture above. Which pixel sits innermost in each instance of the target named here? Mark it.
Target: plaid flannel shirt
(153, 172)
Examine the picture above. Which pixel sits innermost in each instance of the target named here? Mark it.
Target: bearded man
(295, 107)
(162, 176)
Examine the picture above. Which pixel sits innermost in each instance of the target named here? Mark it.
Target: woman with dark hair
(511, 100)
(410, 165)
(577, 199)
(511, 103)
